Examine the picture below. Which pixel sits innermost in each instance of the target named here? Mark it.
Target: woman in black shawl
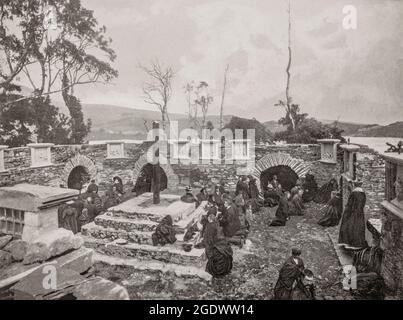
(164, 233)
(352, 227)
(310, 188)
(218, 251)
(282, 213)
(332, 211)
(290, 273)
(325, 191)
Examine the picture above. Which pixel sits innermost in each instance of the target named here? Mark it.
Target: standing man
(290, 273)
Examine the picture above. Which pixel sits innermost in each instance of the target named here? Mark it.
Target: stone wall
(392, 245)
(370, 169)
(18, 167)
(94, 158)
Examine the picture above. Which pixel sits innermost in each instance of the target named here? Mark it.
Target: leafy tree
(64, 60)
(23, 120)
(309, 130)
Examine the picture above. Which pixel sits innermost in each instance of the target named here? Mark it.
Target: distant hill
(393, 130)
(116, 122)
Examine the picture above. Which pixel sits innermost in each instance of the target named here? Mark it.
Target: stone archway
(78, 161)
(300, 167)
(173, 179)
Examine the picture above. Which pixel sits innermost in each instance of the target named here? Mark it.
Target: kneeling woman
(332, 211)
(218, 251)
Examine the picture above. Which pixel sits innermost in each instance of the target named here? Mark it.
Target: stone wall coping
(389, 206)
(115, 142)
(31, 197)
(2, 147)
(40, 145)
(350, 147)
(328, 140)
(393, 157)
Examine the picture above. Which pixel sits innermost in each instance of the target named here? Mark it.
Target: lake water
(376, 143)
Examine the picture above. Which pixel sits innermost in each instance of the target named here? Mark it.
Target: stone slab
(30, 197)
(132, 208)
(109, 221)
(78, 260)
(144, 265)
(98, 288)
(111, 234)
(34, 286)
(167, 253)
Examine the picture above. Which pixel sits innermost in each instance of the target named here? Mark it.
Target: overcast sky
(351, 75)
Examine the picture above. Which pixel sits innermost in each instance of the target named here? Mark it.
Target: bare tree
(287, 105)
(203, 100)
(223, 96)
(158, 90)
(192, 107)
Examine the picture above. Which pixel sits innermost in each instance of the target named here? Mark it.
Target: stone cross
(156, 182)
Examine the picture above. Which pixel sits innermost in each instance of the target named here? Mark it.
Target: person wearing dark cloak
(218, 251)
(230, 218)
(271, 197)
(332, 211)
(92, 187)
(217, 198)
(254, 195)
(310, 188)
(164, 233)
(188, 197)
(112, 198)
(282, 212)
(243, 222)
(305, 287)
(290, 273)
(274, 182)
(279, 190)
(352, 226)
(118, 183)
(243, 188)
(295, 203)
(202, 195)
(325, 191)
(68, 217)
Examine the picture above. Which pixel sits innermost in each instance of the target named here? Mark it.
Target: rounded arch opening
(78, 177)
(285, 176)
(144, 180)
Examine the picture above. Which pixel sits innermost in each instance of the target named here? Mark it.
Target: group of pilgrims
(225, 221)
(89, 204)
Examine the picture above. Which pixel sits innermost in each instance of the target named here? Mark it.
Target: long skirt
(220, 260)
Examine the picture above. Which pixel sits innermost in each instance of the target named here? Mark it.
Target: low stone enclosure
(50, 165)
(54, 165)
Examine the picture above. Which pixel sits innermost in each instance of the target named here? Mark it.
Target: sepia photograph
(214, 152)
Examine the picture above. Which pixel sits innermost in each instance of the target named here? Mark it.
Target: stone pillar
(2, 148)
(328, 150)
(40, 154)
(115, 149)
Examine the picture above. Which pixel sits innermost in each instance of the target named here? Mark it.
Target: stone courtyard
(256, 265)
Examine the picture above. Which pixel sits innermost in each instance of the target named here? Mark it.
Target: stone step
(111, 234)
(108, 221)
(168, 253)
(99, 232)
(152, 266)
